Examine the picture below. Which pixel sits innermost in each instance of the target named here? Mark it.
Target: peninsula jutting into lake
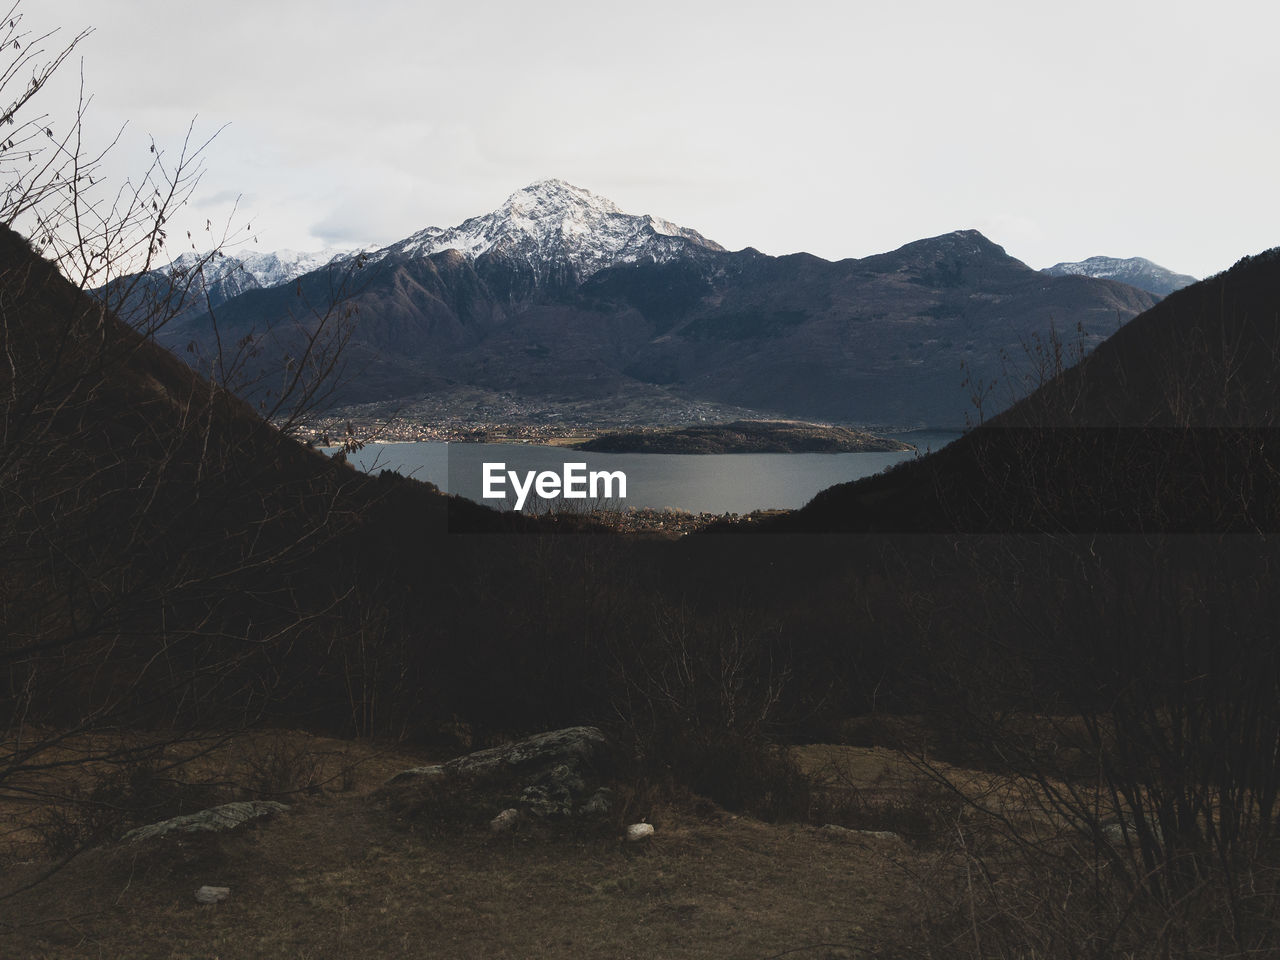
(744, 436)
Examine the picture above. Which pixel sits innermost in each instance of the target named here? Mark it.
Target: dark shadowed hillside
(1169, 425)
(167, 552)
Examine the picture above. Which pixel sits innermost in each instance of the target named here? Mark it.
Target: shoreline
(754, 436)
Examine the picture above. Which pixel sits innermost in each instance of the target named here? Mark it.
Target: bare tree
(160, 540)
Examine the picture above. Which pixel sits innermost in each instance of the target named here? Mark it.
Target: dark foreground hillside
(163, 544)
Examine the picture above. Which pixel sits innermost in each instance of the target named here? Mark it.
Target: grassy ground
(341, 875)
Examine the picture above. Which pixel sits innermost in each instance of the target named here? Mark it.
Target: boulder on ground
(228, 816)
(572, 746)
(836, 832)
(547, 776)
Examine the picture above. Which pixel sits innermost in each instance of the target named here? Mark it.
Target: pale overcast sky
(1124, 127)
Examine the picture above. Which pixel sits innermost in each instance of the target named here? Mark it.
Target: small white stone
(639, 831)
(208, 894)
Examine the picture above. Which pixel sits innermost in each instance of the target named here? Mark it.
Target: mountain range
(559, 296)
(208, 280)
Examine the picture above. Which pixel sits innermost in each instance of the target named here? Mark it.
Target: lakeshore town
(331, 431)
(474, 415)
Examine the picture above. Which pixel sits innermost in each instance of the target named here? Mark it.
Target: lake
(698, 483)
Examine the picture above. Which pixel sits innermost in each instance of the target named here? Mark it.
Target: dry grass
(38, 807)
(344, 875)
(347, 873)
(340, 876)
(1003, 866)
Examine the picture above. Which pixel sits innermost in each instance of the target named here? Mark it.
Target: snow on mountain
(1135, 271)
(551, 231)
(558, 230)
(253, 269)
(224, 276)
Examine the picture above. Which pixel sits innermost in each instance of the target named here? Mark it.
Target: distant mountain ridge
(558, 296)
(195, 282)
(1135, 271)
(259, 268)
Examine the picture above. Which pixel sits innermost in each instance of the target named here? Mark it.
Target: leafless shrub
(150, 579)
(279, 766)
(696, 697)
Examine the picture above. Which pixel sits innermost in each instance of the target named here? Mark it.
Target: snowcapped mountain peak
(561, 232)
(555, 197)
(1135, 271)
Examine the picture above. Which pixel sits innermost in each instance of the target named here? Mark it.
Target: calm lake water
(699, 483)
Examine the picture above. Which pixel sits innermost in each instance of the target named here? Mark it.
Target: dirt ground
(341, 875)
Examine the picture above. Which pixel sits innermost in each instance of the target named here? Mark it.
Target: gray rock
(546, 801)
(845, 833)
(554, 792)
(570, 746)
(212, 894)
(548, 774)
(417, 773)
(214, 820)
